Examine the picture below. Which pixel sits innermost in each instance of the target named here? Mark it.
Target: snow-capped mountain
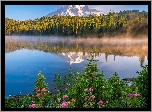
(75, 10)
(73, 57)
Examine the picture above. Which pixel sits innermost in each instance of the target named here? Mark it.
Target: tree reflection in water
(110, 46)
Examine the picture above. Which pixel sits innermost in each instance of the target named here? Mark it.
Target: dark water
(23, 61)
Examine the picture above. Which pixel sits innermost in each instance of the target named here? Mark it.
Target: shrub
(142, 84)
(41, 93)
(88, 90)
(61, 84)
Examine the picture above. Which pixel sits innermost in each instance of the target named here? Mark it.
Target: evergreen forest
(130, 22)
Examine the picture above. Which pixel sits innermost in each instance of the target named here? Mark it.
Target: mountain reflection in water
(117, 47)
(26, 56)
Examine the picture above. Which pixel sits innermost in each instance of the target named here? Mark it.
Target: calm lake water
(25, 56)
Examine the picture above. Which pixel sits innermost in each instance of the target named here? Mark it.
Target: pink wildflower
(136, 95)
(100, 102)
(91, 89)
(65, 97)
(64, 104)
(44, 89)
(130, 95)
(92, 96)
(133, 95)
(38, 95)
(36, 88)
(73, 100)
(32, 106)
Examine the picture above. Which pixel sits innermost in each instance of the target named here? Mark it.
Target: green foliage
(61, 84)
(113, 91)
(88, 90)
(75, 25)
(41, 93)
(142, 84)
(40, 81)
(18, 101)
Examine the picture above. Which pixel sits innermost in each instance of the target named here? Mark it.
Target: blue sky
(25, 12)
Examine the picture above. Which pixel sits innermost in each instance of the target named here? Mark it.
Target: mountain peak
(75, 10)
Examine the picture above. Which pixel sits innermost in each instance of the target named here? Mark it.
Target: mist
(117, 40)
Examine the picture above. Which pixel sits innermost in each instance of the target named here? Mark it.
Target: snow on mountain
(75, 10)
(73, 57)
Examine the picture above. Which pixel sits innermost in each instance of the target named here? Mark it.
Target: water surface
(26, 56)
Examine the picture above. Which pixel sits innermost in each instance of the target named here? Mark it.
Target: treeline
(111, 24)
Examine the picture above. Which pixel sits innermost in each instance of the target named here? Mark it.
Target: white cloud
(117, 8)
(104, 8)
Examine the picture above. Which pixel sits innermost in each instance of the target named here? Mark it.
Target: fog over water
(25, 56)
(95, 41)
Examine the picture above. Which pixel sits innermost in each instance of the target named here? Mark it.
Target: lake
(25, 56)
